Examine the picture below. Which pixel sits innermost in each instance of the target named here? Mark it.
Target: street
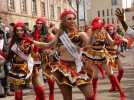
(103, 94)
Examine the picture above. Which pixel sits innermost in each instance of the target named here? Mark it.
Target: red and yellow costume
(113, 51)
(38, 85)
(40, 54)
(20, 55)
(97, 54)
(65, 71)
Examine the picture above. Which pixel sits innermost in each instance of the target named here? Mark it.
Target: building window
(128, 3)
(103, 13)
(107, 20)
(98, 13)
(112, 12)
(34, 7)
(132, 17)
(114, 2)
(58, 12)
(107, 12)
(112, 20)
(11, 5)
(23, 6)
(117, 21)
(52, 11)
(43, 10)
(104, 20)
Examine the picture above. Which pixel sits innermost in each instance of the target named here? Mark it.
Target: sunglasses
(39, 23)
(19, 30)
(71, 18)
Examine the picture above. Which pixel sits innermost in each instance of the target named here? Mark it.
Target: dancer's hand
(120, 14)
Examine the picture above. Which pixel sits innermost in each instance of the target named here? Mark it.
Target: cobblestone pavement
(103, 94)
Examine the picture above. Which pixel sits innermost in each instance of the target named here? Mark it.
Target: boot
(40, 95)
(120, 74)
(51, 88)
(94, 87)
(90, 98)
(117, 84)
(101, 70)
(113, 87)
(19, 94)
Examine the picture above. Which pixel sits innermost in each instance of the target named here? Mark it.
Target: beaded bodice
(98, 40)
(24, 47)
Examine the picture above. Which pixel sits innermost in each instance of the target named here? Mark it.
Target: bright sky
(127, 3)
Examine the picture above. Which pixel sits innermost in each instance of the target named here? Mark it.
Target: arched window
(23, 6)
(34, 7)
(43, 9)
(114, 2)
(11, 5)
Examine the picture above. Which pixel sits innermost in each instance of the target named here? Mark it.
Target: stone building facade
(29, 10)
(106, 10)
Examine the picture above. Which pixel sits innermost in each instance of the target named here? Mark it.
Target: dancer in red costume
(21, 59)
(70, 71)
(113, 50)
(41, 34)
(97, 54)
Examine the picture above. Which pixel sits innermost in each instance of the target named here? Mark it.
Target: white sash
(30, 63)
(37, 62)
(17, 50)
(1, 44)
(28, 58)
(71, 48)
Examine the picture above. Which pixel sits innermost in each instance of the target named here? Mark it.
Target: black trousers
(4, 80)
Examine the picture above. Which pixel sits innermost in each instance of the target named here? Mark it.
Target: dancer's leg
(120, 69)
(66, 92)
(18, 93)
(87, 90)
(51, 88)
(38, 84)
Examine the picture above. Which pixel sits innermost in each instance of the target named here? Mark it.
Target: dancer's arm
(84, 38)
(43, 44)
(120, 15)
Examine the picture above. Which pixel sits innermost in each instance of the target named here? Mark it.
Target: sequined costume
(65, 71)
(97, 54)
(19, 69)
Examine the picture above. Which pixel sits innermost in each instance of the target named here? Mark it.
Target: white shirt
(1, 44)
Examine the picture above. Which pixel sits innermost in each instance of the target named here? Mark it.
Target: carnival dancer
(97, 55)
(37, 71)
(41, 34)
(113, 50)
(70, 70)
(102, 71)
(21, 60)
